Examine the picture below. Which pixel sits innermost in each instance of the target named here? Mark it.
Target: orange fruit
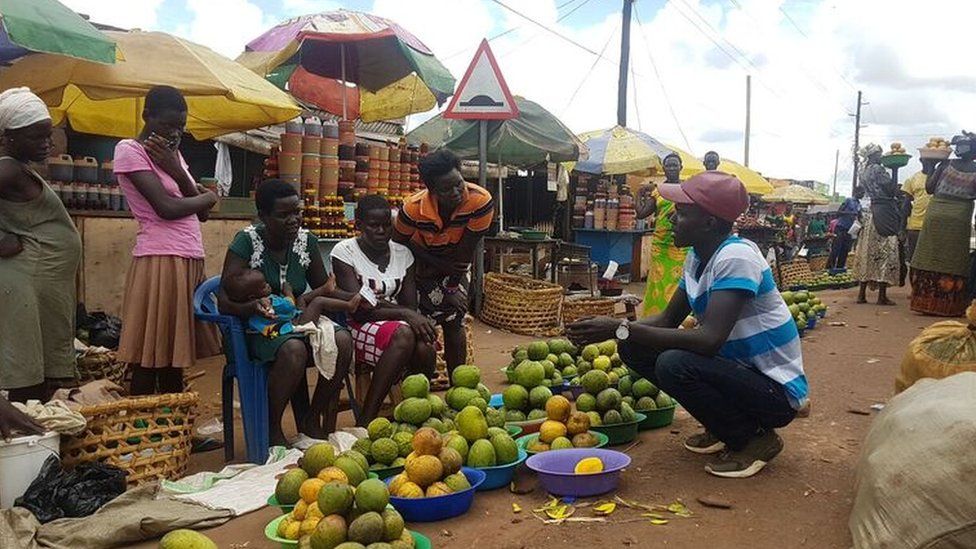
(588, 466)
(551, 430)
(332, 473)
(309, 491)
(558, 408)
(426, 442)
(425, 470)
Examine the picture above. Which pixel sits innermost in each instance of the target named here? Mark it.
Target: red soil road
(802, 499)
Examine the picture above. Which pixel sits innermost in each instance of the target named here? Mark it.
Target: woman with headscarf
(878, 261)
(160, 336)
(667, 260)
(941, 261)
(39, 255)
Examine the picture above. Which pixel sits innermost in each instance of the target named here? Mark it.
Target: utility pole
(833, 191)
(624, 62)
(748, 116)
(857, 143)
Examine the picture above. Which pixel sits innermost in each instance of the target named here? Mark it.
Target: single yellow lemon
(588, 466)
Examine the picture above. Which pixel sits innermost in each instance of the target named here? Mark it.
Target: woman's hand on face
(167, 159)
(422, 326)
(10, 245)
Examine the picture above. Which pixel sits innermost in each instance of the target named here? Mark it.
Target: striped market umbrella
(345, 46)
(48, 26)
(620, 150)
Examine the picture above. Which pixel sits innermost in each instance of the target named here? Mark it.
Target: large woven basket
(792, 273)
(148, 437)
(96, 366)
(522, 305)
(575, 309)
(817, 263)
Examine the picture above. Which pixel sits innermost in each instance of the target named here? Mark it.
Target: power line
(660, 81)
(517, 27)
(633, 83)
(719, 34)
(558, 20)
(547, 29)
(590, 71)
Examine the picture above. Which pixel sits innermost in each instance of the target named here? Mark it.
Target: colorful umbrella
(795, 194)
(47, 26)
(222, 95)
(369, 51)
(535, 136)
(754, 182)
(402, 98)
(620, 150)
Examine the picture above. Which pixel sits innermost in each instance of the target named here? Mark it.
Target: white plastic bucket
(20, 461)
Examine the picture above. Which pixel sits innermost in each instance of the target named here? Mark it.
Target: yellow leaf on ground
(516, 508)
(680, 509)
(659, 522)
(560, 512)
(605, 508)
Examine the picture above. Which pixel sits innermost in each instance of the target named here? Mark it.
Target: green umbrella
(47, 26)
(534, 137)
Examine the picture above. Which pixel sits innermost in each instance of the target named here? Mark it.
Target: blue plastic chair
(252, 380)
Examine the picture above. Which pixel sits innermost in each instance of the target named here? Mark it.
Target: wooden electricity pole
(624, 62)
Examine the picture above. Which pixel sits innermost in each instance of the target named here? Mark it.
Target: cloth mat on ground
(132, 517)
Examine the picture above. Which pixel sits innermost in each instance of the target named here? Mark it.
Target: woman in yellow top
(667, 260)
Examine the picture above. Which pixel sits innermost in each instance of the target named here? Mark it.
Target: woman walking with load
(667, 260)
(39, 255)
(160, 336)
(877, 244)
(941, 262)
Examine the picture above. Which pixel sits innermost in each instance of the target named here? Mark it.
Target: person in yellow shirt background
(914, 189)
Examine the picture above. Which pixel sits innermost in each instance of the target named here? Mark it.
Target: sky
(689, 60)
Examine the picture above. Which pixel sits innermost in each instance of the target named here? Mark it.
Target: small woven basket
(95, 366)
(575, 309)
(148, 437)
(522, 305)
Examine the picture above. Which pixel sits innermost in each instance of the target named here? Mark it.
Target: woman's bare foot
(861, 299)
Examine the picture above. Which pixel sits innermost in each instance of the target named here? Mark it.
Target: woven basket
(522, 305)
(575, 309)
(93, 367)
(817, 263)
(441, 379)
(792, 273)
(148, 437)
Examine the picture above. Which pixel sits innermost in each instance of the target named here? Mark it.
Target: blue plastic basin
(439, 507)
(500, 476)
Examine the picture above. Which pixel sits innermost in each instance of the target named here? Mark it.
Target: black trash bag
(56, 493)
(98, 328)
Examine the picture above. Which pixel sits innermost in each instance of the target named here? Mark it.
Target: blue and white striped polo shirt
(765, 336)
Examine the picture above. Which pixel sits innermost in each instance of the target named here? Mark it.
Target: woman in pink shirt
(160, 336)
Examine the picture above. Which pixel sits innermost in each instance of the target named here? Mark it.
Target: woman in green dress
(284, 252)
(39, 255)
(667, 260)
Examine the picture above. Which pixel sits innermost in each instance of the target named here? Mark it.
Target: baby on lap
(283, 313)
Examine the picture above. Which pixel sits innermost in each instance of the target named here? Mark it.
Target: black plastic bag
(98, 328)
(56, 493)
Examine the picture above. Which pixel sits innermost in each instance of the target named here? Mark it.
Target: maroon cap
(718, 193)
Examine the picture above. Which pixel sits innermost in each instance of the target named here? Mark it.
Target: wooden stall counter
(107, 239)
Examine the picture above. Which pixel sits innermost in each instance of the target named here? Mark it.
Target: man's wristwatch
(623, 331)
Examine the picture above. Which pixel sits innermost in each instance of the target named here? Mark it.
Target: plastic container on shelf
(600, 213)
(588, 220)
(61, 168)
(20, 461)
(330, 147)
(295, 125)
(86, 169)
(106, 174)
(289, 163)
(313, 126)
(330, 130)
(291, 142)
(347, 151)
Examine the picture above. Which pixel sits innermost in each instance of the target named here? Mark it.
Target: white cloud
(130, 14)
(226, 25)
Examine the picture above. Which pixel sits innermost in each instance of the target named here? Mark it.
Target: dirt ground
(802, 499)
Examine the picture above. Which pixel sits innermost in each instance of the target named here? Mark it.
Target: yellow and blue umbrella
(620, 150)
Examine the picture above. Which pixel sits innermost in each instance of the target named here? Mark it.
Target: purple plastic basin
(555, 471)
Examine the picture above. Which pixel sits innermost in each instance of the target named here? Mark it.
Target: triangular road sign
(483, 93)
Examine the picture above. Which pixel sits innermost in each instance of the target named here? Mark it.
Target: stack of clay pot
(329, 183)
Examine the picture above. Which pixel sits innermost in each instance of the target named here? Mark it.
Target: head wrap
(19, 108)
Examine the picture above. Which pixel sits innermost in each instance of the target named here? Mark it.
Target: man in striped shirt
(442, 225)
(740, 372)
